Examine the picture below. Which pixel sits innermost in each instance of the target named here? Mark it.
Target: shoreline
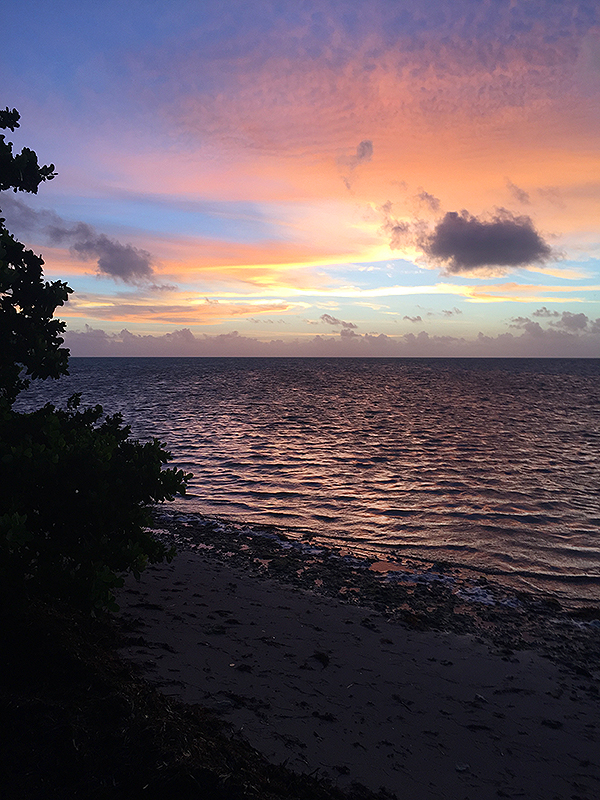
(422, 595)
(324, 666)
(179, 517)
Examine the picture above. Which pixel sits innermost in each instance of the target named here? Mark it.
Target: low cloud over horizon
(569, 338)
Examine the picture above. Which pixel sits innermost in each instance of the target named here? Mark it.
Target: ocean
(491, 465)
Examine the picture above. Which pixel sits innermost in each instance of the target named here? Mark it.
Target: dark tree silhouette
(29, 335)
(76, 493)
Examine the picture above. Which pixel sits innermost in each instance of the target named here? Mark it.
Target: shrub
(78, 494)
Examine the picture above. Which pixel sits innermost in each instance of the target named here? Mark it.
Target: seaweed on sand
(77, 721)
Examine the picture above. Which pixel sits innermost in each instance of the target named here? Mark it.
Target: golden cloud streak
(210, 312)
(505, 292)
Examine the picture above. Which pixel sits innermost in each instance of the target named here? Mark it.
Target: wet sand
(346, 691)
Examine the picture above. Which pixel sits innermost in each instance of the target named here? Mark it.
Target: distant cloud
(532, 328)
(520, 195)
(364, 153)
(572, 322)
(532, 341)
(399, 231)
(122, 262)
(545, 312)
(429, 200)
(348, 333)
(413, 319)
(327, 318)
(451, 312)
(566, 320)
(463, 243)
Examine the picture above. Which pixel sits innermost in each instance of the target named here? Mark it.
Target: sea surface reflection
(490, 464)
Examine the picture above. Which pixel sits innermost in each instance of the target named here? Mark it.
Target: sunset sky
(313, 178)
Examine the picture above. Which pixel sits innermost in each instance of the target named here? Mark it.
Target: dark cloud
(364, 153)
(572, 322)
(413, 319)
(334, 321)
(347, 332)
(464, 243)
(122, 262)
(429, 200)
(520, 195)
(545, 312)
(451, 312)
(530, 327)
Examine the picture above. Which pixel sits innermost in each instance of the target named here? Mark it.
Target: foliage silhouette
(76, 492)
(30, 336)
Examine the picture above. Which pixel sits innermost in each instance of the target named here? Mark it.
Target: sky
(328, 178)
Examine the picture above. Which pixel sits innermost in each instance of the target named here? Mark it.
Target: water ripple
(486, 463)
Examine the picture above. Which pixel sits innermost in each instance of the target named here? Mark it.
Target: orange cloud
(199, 312)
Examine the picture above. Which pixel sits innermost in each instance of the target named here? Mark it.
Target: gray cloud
(348, 333)
(429, 200)
(413, 319)
(572, 322)
(530, 327)
(451, 312)
(122, 262)
(464, 243)
(520, 195)
(334, 321)
(532, 341)
(399, 232)
(545, 312)
(364, 153)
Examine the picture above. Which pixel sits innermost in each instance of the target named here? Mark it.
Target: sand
(337, 689)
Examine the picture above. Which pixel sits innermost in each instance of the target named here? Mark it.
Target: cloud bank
(533, 341)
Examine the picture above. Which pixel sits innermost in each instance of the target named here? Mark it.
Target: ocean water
(492, 465)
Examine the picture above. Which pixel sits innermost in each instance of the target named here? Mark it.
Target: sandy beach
(344, 691)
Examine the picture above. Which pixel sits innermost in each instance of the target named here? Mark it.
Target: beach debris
(322, 658)
(368, 623)
(555, 724)
(327, 717)
(422, 595)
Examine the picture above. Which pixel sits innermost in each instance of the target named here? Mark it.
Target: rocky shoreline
(422, 596)
(406, 678)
